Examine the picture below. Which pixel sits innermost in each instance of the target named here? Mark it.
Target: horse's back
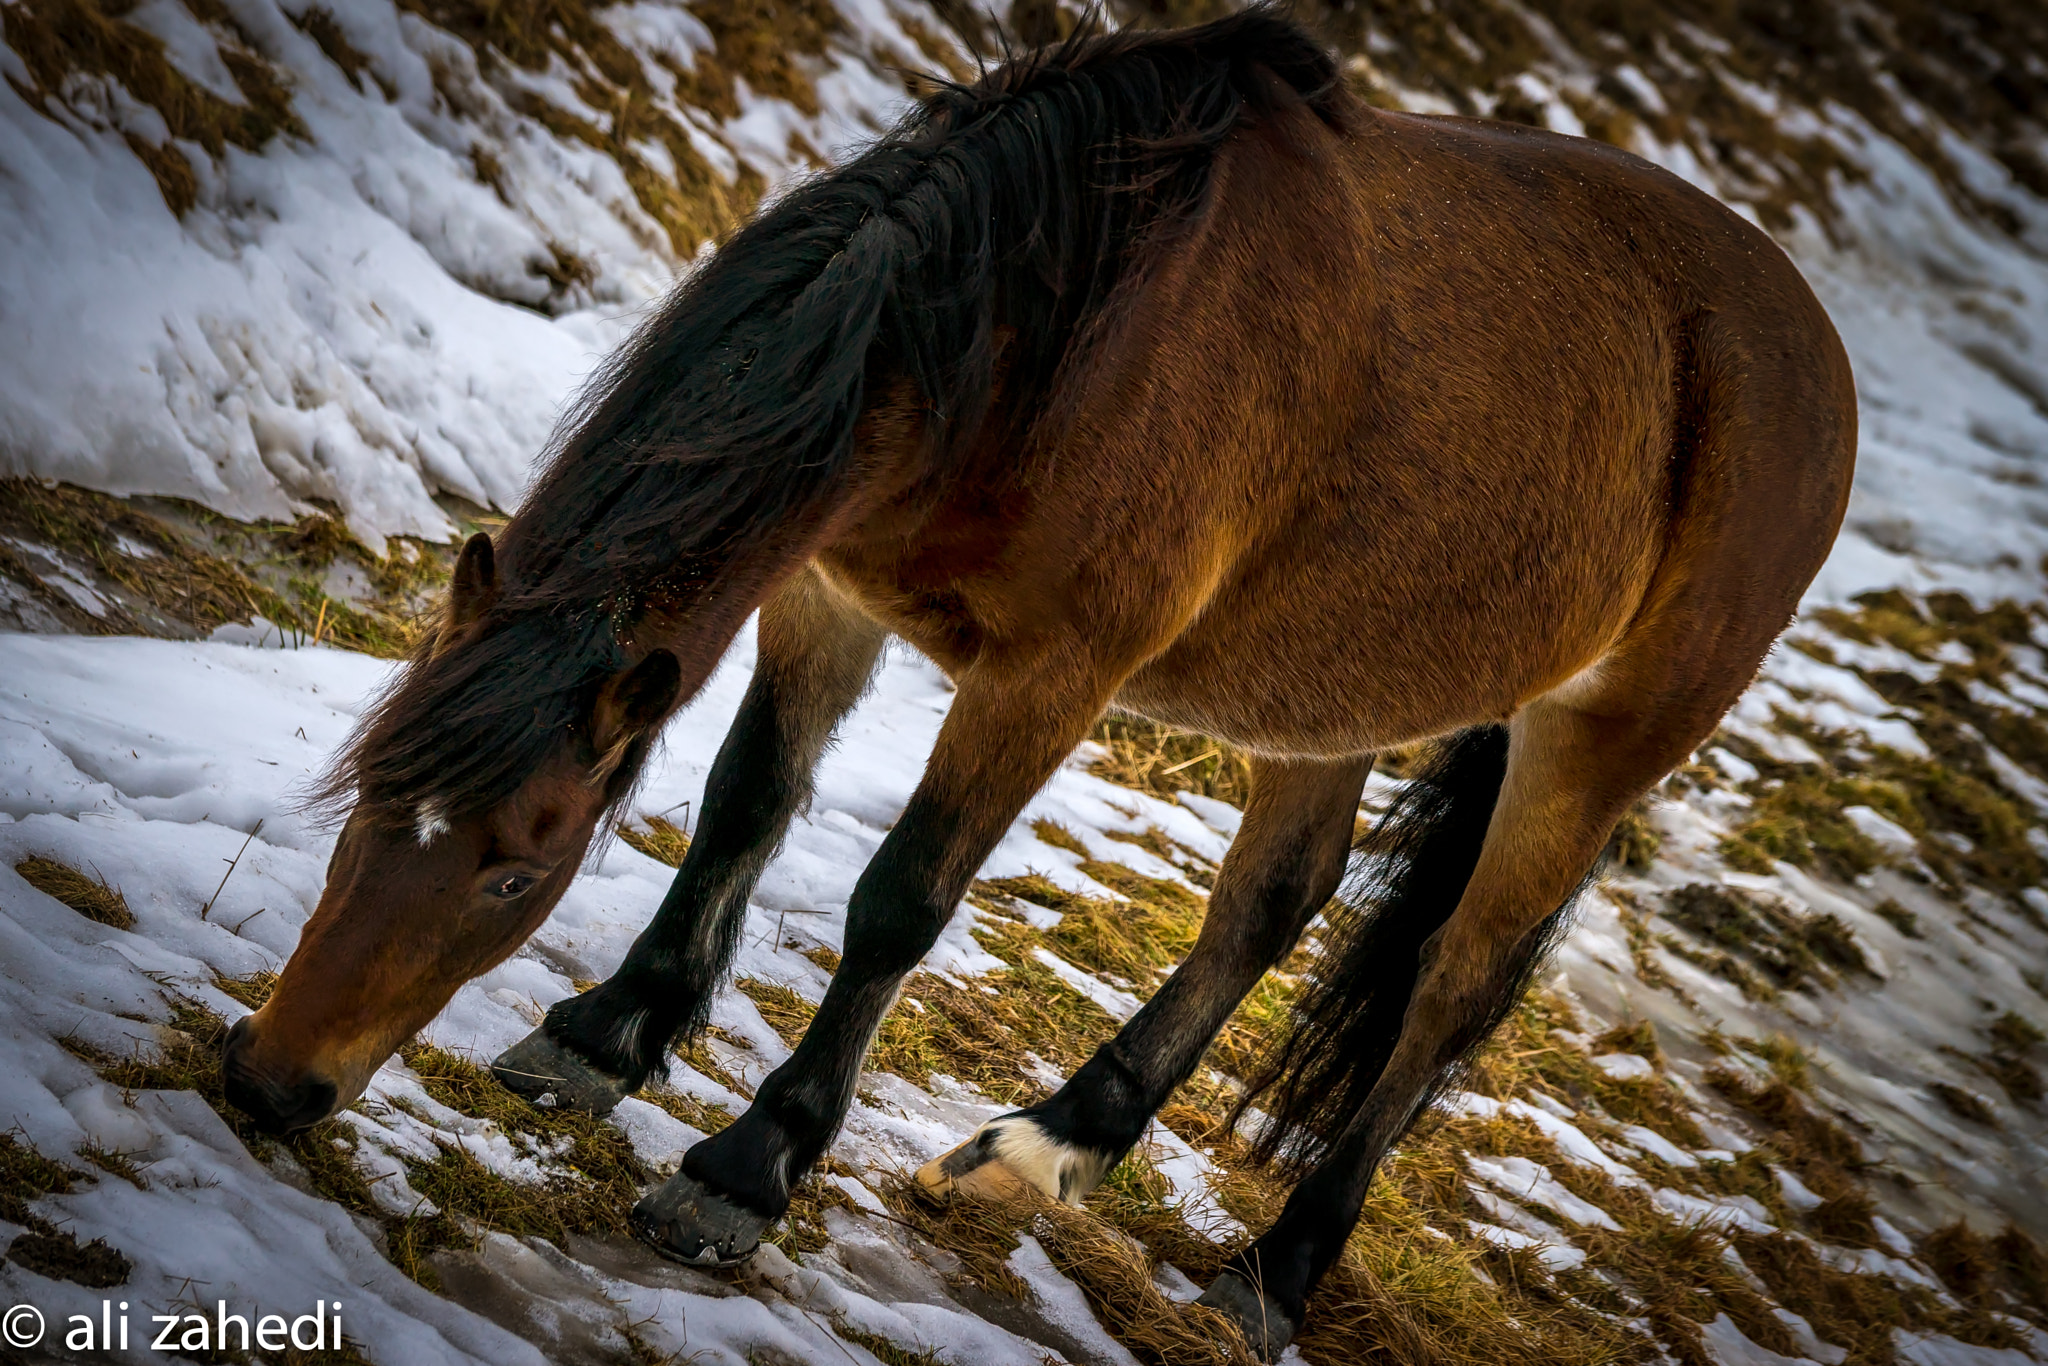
(1449, 376)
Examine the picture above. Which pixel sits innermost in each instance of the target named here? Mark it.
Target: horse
(1159, 372)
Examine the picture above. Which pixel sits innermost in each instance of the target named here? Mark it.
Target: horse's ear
(631, 702)
(474, 585)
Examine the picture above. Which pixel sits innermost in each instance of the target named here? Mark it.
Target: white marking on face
(429, 824)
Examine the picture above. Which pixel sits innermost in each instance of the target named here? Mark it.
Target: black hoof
(1265, 1325)
(548, 1074)
(686, 1222)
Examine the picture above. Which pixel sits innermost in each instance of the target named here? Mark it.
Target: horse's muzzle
(278, 1107)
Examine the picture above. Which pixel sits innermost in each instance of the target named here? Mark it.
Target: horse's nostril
(277, 1107)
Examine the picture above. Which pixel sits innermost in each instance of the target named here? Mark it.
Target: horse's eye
(510, 886)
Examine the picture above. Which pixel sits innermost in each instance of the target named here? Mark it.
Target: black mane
(1022, 200)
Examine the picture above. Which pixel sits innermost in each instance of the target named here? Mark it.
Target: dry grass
(984, 1038)
(595, 1176)
(885, 1351)
(156, 577)
(1160, 760)
(1814, 1147)
(1398, 1293)
(1976, 68)
(1957, 791)
(1131, 942)
(26, 1175)
(62, 41)
(91, 896)
(659, 839)
(318, 23)
(1058, 836)
(1800, 820)
(1791, 950)
(1635, 841)
(1861, 1312)
(1964, 1104)
(775, 46)
(188, 1059)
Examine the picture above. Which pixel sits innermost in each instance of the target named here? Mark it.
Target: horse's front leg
(1284, 864)
(1011, 723)
(816, 655)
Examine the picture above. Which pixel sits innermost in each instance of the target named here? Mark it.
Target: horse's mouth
(276, 1107)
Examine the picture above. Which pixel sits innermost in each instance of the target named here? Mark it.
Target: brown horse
(1154, 372)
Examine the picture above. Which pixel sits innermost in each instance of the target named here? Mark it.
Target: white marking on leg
(1064, 1171)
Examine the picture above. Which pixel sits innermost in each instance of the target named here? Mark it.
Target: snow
(1530, 1182)
(1729, 1211)
(1727, 1345)
(153, 762)
(1658, 1146)
(352, 317)
(1121, 1005)
(1063, 1302)
(1554, 1256)
(1625, 1066)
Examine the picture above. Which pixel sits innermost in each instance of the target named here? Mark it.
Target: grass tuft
(156, 578)
(69, 46)
(1791, 949)
(594, 1176)
(91, 897)
(659, 839)
(1153, 758)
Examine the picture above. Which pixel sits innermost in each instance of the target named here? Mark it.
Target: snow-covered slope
(390, 294)
(274, 257)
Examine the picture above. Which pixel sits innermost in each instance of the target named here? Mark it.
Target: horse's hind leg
(1283, 866)
(1015, 717)
(815, 658)
(1572, 768)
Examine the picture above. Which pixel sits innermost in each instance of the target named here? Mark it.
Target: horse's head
(423, 895)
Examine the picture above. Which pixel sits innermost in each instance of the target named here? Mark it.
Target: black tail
(1348, 1017)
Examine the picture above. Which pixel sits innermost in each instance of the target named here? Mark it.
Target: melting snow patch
(1121, 1005)
(1553, 1256)
(1797, 1193)
(1730, 1211)
(1936, 1350)
(1526, 1180)
(1187, 1173)
(1659, 1147)
(1063, 1304)
(1726, 1345)
(1625, 1066)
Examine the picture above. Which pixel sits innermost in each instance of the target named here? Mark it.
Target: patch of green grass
(1800, 820)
